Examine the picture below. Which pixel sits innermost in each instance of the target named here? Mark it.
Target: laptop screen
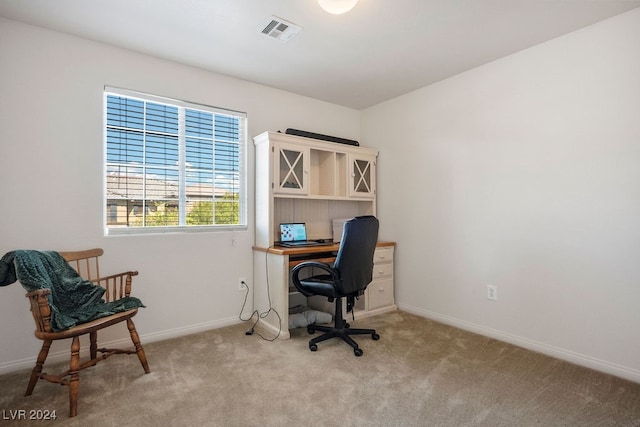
(292, 232)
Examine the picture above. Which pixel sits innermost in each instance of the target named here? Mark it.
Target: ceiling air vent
(280, 29)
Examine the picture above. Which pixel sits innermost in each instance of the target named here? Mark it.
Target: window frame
(111, 230)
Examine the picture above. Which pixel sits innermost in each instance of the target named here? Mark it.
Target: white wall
(524, 174)
(51, 88)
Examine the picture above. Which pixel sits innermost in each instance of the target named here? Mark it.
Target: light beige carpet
(420, 373)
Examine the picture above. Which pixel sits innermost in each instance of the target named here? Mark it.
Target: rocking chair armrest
(113, 276)
(43, 292)
(40, 308)
(117, 285)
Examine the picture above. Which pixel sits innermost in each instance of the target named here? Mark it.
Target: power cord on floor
(258, 315)
(244, 303)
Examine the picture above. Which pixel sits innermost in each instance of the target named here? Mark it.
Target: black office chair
(347, 278)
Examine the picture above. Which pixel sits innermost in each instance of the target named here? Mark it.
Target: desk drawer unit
(380, 290)
(382, 270)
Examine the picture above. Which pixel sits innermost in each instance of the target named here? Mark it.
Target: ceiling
(379, 50)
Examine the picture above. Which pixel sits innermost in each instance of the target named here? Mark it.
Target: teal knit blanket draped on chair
(73, 300)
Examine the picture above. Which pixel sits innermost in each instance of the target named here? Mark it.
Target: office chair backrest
(355, 256)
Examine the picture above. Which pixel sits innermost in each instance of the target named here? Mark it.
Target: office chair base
(343, 332)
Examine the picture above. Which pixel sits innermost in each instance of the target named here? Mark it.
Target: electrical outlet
(492, 292)
(242, 284)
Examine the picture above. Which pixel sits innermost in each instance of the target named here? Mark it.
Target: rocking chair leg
(138, 345)
(35, 373)
(74, 379)
(93, 344)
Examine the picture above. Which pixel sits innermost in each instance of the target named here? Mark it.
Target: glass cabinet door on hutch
(362, 177)
(292, 166)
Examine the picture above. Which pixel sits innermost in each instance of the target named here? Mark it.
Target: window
(172, 165)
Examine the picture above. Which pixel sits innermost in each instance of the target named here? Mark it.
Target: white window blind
(172, 165)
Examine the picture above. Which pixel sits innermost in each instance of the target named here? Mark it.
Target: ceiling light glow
(337, 7)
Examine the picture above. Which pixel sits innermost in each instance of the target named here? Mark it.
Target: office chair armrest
(295, 273)
(315, 264)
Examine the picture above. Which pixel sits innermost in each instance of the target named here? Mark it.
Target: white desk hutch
(307, 180)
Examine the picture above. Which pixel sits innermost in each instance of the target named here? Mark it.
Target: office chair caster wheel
(346, 325)
(310, 330)
(375, 336)
(358, 352)
(313, 347)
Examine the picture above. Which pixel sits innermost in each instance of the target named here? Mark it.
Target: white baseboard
(63, 355)
(188, 330)
(375, 311)
(270, 331)
(559, 353)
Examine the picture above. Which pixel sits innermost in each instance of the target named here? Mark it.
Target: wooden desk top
(309, 249)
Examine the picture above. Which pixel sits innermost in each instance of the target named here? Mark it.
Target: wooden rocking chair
(117, 286)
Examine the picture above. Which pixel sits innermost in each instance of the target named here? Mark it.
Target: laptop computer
(294, 234)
